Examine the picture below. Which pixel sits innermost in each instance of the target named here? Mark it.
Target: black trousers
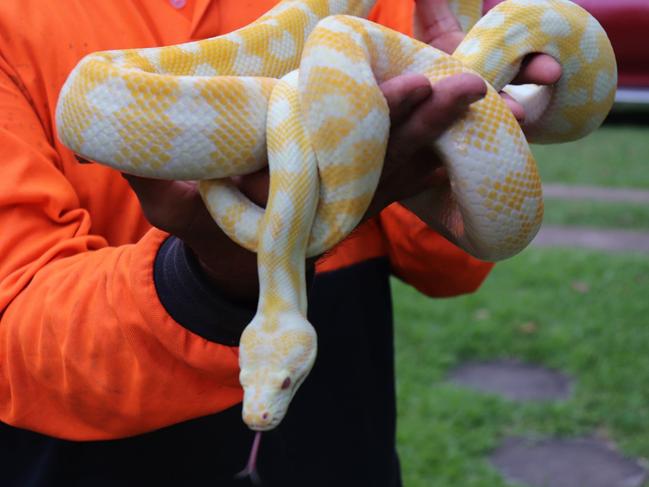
(339, 431)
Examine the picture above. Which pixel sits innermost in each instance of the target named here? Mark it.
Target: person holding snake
(123, 302)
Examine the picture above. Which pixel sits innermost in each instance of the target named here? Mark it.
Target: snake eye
(286, 384)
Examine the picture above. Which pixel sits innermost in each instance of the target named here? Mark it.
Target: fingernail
(473, 97)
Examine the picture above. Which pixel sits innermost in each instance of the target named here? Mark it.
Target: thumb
(171, 206)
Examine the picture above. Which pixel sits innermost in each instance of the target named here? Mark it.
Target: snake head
(274, 362)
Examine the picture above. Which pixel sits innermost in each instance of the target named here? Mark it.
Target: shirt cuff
(191, 300)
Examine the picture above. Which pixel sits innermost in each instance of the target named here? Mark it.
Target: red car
(627, 25)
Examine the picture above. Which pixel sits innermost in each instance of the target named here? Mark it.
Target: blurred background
(573, 306)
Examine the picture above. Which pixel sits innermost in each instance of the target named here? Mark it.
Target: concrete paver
(513, 380)
(618, 195)
(592, 238)
(579, 462)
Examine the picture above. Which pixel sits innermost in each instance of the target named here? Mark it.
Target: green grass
(615, 155)
(585, 313)
(597, 214)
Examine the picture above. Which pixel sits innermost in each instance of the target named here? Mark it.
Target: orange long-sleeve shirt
(87, 350)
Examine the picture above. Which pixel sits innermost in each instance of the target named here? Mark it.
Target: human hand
(435, 24)
(420, 112)
(176, 207)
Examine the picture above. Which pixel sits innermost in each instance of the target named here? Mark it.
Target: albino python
(228, 106)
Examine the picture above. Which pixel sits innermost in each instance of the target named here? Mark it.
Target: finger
(169, 205)
(255, 186)
(515, 107)
(435, 24)
(539, 69)
(450, 99)
(160, 190)
(439, 177)
(404, 93)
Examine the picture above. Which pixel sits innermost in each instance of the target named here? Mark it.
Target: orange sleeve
(86, 349)
(426, 260)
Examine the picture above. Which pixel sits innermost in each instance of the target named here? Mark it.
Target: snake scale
(227, 106)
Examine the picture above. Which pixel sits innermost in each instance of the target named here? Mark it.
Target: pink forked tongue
(251, 467)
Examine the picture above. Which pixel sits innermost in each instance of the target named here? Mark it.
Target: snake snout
(262, 421)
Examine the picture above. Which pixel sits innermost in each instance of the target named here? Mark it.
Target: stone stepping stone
(513, 380)
(597, 193)
(592, 238)
(566, 463)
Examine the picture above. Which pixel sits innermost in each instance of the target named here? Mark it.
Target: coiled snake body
(227, 106)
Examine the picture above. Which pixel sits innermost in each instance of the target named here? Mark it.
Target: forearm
(89, 352)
